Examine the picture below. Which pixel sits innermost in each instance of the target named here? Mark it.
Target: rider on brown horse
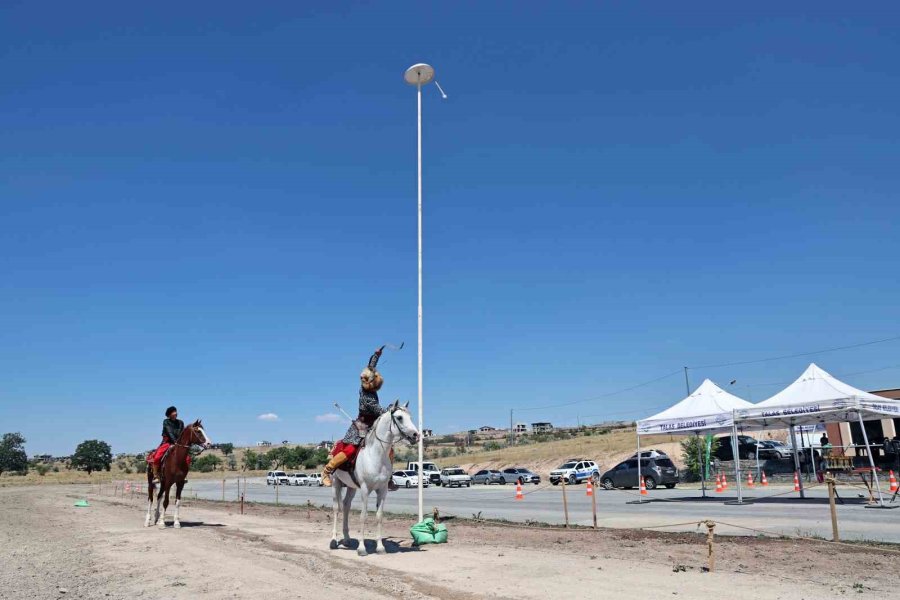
(171, 430)
(369, 410)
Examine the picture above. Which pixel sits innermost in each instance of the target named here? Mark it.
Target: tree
(232, 462)
(92, 455)
(691, 448)
(319, 457)
(12, 453)
(252, 460)
(226, 449)
(206, 463)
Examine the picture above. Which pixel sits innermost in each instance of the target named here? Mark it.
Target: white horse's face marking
(206, 441)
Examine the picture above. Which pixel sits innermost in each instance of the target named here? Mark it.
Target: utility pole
(687, 383)
(512, 440)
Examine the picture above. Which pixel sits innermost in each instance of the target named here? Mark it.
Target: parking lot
(775, 509)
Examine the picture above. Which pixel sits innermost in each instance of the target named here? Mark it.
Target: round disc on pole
(419, 74)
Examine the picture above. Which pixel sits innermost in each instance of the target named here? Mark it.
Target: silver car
(520, 475)
(487, 477)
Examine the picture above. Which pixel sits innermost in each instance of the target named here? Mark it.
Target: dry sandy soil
(50, 549)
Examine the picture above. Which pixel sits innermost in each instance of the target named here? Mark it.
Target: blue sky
(213, 205)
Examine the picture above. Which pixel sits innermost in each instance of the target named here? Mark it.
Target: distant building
(520, 428)
(264, 444)
(325, 445)
(46, 458)
(542, 427)
(427, 433)
(486, 429)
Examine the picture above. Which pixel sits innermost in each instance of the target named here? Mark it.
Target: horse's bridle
(189, 446)
(394, 422)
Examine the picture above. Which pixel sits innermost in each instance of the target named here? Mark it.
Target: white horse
(373, 471)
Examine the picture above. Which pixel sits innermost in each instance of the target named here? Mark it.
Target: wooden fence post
(710, 537)
(834, 525)
(565, 501)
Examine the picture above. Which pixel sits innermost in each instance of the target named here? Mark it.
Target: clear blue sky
(213, 205)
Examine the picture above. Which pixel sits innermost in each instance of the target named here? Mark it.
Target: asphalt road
(773, 509)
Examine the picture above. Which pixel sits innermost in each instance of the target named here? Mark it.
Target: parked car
(575, 470)
(649, 454)
(455, 476)
(315, 480)
(408, 479)
(299, 479)
(746, 448)
(774, 449)
(520, 475)
(487, 477)
(655, 471)
(429, 470)
(277, 478)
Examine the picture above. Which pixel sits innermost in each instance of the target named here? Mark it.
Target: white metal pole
(871, 459)
(421, 420)
(736, 451)
(797, 460)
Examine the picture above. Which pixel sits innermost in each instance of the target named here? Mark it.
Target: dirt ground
(50, 549)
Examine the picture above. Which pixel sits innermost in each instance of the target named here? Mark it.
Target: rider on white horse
(369, 410)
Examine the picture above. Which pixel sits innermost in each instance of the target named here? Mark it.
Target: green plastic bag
(426, 532)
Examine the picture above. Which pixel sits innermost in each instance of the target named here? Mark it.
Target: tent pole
(700, 464)
(871, 459)
(639, 460)
(735, 449)
(796, 459)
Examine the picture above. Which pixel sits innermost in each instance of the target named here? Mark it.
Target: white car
(455, 476)
(429, 470)
(299, 479)
(576, 470)
(408, 479)
(315, 480)
(277, 478)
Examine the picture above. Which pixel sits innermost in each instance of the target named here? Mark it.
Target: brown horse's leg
(149, 520)
(178, 487)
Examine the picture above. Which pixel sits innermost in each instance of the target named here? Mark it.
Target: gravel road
(50, 549)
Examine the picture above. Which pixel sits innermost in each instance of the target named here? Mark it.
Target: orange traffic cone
(764, 481)
(894, 485)
(719, 489)
(749, 480)
(643, 487)
(724, 482)
(796, 482)
(590, 489)
(519, 495)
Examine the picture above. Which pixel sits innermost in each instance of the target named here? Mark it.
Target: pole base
(638, 502)
(737, 502)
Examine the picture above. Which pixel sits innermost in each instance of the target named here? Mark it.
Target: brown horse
(173, 470)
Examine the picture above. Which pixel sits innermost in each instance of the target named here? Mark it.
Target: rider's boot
(336, 461)
(155, 467)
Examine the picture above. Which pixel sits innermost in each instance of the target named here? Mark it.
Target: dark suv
(746, 447)
(655, 471)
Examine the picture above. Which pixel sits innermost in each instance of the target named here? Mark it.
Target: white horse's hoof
(362, 551)
(380, 551)
(161, 524)
(177, 525)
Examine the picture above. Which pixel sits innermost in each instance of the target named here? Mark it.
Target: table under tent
(708, 410)
(815, 397)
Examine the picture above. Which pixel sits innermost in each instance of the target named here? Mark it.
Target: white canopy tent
(709, 409)
(817, 397)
